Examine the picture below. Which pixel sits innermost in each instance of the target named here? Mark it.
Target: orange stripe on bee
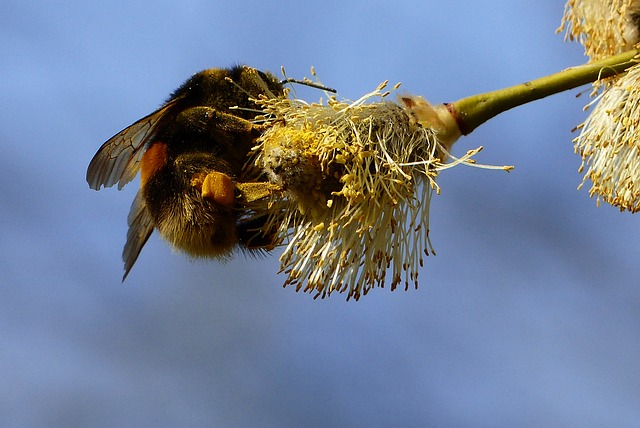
(154, 158)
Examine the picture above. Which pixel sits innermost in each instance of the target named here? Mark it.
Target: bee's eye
(263, 76)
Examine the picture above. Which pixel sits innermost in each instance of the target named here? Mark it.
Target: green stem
(471, 112)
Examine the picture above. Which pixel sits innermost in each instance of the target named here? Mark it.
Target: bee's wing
(140, 228)
(117, 161)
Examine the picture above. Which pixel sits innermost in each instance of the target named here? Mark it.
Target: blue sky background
(528, 315)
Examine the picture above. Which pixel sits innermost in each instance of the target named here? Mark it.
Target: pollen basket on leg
(219, 187)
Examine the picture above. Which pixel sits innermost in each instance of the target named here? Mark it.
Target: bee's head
(224, 88)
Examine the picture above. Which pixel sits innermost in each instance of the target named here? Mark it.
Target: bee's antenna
(307, 82)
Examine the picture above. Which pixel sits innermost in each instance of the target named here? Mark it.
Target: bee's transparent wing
(140, 228)
(118, 160)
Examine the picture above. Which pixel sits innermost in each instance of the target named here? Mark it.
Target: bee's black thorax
(204, 129)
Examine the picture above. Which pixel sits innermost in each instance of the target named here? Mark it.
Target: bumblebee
(191, 153)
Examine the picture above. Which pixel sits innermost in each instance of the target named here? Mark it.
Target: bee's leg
(226, 125)
(222, 132)
(252, 236)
